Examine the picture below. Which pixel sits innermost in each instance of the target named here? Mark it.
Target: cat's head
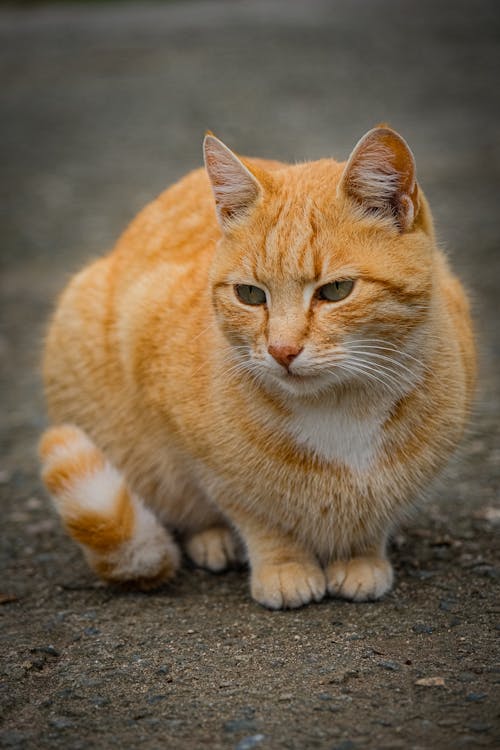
(323, 274)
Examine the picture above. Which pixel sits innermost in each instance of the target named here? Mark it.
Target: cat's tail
(122, 540)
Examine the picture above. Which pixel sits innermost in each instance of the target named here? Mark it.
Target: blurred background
(104, 104)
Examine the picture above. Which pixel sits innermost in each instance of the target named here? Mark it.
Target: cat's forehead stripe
(292, 239)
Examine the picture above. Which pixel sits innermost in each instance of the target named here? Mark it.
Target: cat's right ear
(380, 177)
(234, 187)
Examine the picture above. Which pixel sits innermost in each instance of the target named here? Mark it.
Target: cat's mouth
(301, 383)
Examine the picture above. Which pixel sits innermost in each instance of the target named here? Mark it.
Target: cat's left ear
(380, 177)
(235, 188)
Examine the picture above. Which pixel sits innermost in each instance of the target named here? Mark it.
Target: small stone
(285, 697)
(61, 723)
(101, 700)
(475, 697)
(91, 631)
(33, 503)
(50, 650)
(430, 682)
(422, 628)
(479, 726)
(8, 598)
(5, 476)
(489, 514)
(450, 722)
(40, 527)
(247, 743)
(390, 665)
(345, 745)
(156, 699)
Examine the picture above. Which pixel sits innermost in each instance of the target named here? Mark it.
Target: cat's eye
(250, 295)
(335, 290)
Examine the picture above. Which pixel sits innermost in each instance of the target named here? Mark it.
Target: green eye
(335, 291)
(250, 295)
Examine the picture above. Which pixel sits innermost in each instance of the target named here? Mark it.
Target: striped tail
(122, 540)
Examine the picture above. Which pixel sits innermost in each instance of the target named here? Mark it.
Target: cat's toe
(215, 549)
(360, 579)
(288, 585)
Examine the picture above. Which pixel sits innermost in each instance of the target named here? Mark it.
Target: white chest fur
(340, 432)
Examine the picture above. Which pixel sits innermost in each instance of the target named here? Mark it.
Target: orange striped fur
(110, 530)
(287, 426)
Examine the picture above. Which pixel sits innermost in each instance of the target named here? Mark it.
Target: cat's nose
(284, 353)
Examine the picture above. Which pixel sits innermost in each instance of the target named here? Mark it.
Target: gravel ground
(103, 106)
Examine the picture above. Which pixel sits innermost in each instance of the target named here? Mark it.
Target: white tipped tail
(122, 539)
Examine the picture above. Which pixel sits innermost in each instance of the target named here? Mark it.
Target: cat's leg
(122, 540)
(365, 576)
(215, 548)
(283, 575)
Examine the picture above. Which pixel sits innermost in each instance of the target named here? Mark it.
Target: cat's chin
(301, 386)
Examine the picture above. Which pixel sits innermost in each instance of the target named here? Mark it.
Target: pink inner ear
(233, 185)
(380, 176)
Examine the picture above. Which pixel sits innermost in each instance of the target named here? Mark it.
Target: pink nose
(284, 353)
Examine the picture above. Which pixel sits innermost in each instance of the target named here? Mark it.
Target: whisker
(396, 377)
(195, 338)
(354, 370)
(385, 358)
(379, 370)
(386, 346)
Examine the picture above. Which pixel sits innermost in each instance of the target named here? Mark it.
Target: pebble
(240, 725)
(91, 631)
(450, 722)
(5, 476)
(101, 700)
(33, 503)
(285, 697)
(61, 723)
(422, 628)
(50, 650)
(475, 697)
(430, 682)
(247, 743)
(156, 699)
(390, 665)
(345, 745)
(7, 598)
(479, 726)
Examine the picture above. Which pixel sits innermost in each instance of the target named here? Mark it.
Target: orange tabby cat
(275, 377)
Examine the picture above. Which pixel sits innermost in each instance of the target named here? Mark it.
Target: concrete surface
(101, 107)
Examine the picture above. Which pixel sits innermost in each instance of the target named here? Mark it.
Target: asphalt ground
(102, 106)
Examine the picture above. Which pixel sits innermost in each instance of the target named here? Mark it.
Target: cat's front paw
(359, 579)
(287, 585)
(215, 549)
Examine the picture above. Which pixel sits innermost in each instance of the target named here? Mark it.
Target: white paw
(359, 579)
(215, 549)
(288, 585)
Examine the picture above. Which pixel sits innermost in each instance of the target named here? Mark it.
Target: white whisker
(391, 360)
(350, 367)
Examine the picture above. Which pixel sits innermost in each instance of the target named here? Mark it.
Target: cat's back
(179, 227)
